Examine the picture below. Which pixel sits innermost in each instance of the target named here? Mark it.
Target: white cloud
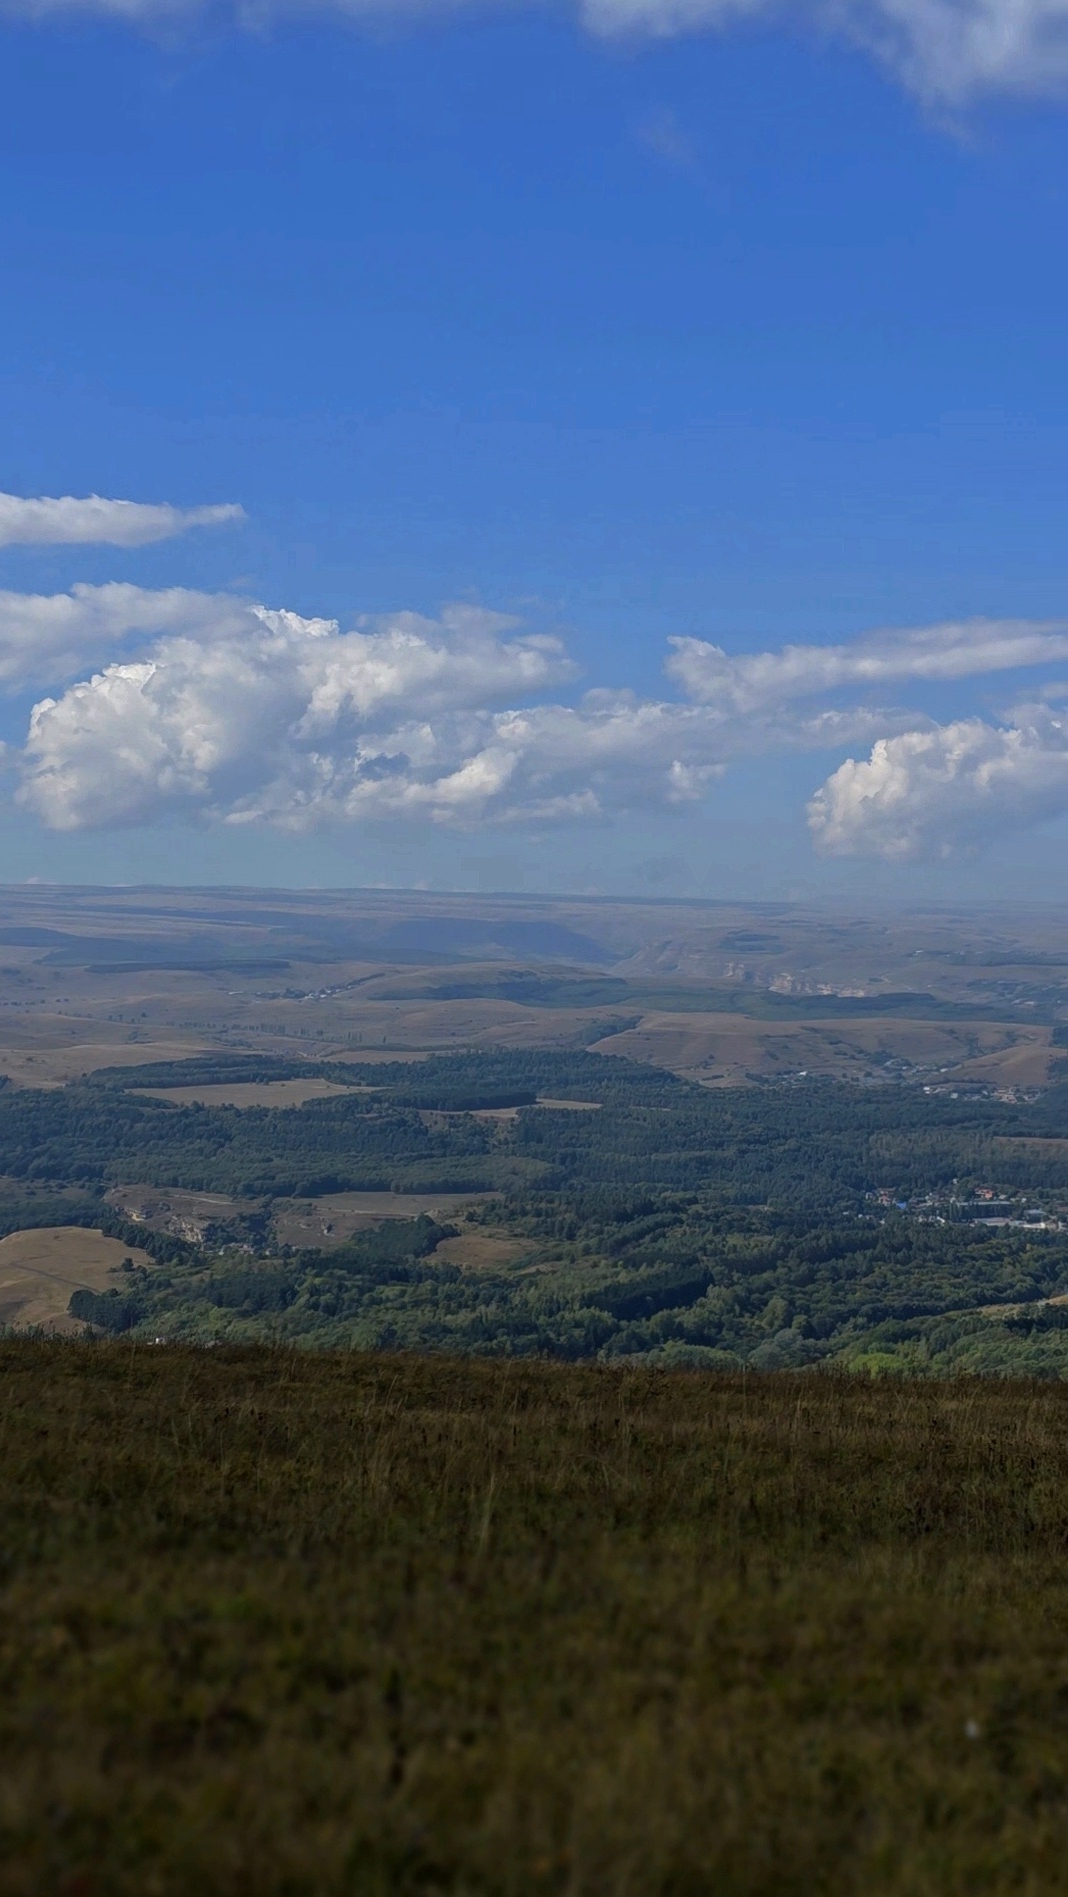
(223, 710)
(67, 521)
(46, 637)
(760, 680)
(951, 787)
(241, 714)
(943, 50)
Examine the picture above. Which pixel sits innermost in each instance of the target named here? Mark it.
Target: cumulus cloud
(239, 713)
(944, 50)
(67, 521)
(950, 787)
(242, 712)
(951, 651)
(47, 637)
(220, 709)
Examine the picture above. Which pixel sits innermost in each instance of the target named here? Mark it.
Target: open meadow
(41, 1268)
(270, 1093)
(730, 1050)
(278, 1622)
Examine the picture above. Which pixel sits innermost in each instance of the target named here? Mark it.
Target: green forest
(774, 1226)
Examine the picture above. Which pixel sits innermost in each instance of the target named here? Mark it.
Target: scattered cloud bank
(943, 50)
(67, 521)
(950, 651)
(954, 787)
(239, 713)
(222, 710)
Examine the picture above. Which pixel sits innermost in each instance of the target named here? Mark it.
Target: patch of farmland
(54, 1066)
(40, 1269)
(478, 1250)
(430, 1115)
(249, 1093)
(336, 1216)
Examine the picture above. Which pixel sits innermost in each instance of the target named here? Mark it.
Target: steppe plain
(722, 993)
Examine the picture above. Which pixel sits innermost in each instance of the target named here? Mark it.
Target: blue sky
(742, 335)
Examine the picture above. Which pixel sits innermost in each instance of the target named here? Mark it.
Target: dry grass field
(40, 1269)
(475, 1249)
(506, 1115)
(1033, 1143)
(250, 1093)
(368, 1056)
(51, 1058)
(321, 1222)
(334, 1217)
(729, 1049)
(326, 1625)
(715, 1049)
(1028, 1061)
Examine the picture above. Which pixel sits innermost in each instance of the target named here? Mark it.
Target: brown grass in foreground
(277, 1624)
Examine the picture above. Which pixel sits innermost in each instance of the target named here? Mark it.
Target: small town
(985, 1205)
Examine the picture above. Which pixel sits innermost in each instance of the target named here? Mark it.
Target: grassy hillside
(282, 1623)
